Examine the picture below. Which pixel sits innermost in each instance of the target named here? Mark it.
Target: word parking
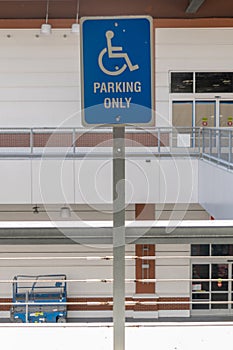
(117, 88)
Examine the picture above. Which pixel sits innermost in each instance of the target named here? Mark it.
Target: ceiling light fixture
(75, 26)
(65, 213)
(46, 28)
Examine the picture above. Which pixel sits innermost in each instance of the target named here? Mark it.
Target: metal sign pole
(119, 238)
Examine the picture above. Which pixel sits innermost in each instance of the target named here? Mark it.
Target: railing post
(210, 141)
(203, 140)
(219, 145)
(199, 140)
(74, 141)
(31, 141)
(230, 147)
(158, 137)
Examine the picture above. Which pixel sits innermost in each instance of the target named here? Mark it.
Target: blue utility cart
(39, 299)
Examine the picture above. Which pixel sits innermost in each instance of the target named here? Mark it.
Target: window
(182, 82)
(205, 82)
(221, 249)
(212, 250)
(200, 249)
(214, 82)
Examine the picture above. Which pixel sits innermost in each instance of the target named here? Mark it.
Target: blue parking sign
(117, 70)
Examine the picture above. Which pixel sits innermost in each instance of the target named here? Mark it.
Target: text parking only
(117, 70)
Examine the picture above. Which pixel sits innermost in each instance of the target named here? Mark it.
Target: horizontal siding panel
(52, 181)
(40, 51)
(161, 79)
(162, 113)
(33, 79)
(29, 37)
(202, 64)
(41, 114)
(215, 36)
(161, 93)
(191, 51)
(40, 94)
(15, 189)
(178, 181)
(39, 65)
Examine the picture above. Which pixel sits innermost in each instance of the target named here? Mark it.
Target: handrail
(213, 144)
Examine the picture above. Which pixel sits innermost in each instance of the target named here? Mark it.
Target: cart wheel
(18, 320)
(61, 320)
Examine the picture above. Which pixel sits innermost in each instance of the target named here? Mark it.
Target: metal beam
(194, 6)
(138, 233)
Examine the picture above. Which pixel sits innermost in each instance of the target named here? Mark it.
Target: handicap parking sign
(117, 70)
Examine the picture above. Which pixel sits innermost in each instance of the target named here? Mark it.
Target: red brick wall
(135, 304)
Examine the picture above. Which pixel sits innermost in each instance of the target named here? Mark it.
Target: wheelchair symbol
(115, 52)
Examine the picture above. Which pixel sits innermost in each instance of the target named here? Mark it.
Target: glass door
(213, 296)
(182, 114)
(199, 113)
(226, 113)
(205, 113)
(219, 288)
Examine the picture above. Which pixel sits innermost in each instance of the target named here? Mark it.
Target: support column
(119, 237)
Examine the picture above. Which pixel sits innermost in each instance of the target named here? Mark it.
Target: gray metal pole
(26, 307)
(119, 238)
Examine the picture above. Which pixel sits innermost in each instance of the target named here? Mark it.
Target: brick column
(145, 269)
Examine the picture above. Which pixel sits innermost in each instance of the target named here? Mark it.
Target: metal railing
(217, 145)
(78, 141)
(214, 144)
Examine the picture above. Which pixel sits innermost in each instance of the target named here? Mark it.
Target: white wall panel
(201, 63)
(161, 79)
(162, 113)
(173, 262)
(142, 181)
(216, 190)
(15, 181)
(38, 49)
(52, 181)
(178, 180)
(176, 36)
(37, 80)
(40, 114)
(169, 288)
(190, 51)
(93, 181)
(89, 181)
(38, 65)
(162, 93)
(48, 94)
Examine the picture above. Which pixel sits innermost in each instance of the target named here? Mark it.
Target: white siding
(215, 190)
(85, 181)
(52, 181)
(173, 263)
(15, 181)
(178, 181)
(39, 79)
